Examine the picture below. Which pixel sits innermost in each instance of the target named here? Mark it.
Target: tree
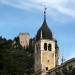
(17, 44)
(16, 62)
(5, 44)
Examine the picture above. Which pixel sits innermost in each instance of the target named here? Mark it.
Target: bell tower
(44, 53)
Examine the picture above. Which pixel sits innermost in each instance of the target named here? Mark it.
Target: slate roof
(46, 32)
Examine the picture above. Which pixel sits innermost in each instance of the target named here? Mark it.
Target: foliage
(17, 43)
(16, 61)
(5, 44)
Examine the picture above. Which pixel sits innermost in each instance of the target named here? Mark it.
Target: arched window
(49, 47)
(45, 46)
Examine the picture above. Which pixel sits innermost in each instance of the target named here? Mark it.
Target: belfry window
(45, 46)
(49, 47)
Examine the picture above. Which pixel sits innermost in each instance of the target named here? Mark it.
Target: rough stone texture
(60, 67)
(44, 58)
(48, 60)
(24, 39)
(37, 57)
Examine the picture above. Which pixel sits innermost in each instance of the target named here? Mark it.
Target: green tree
(5, 44)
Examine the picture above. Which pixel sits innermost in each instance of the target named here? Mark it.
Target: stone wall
(24, 39)
(60, 67)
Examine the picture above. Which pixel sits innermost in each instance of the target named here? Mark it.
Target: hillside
(16, 61)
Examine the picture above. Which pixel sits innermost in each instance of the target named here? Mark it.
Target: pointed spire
(63, 59)
(45, 12)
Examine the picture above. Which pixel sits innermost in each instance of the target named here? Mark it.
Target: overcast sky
(27, 16)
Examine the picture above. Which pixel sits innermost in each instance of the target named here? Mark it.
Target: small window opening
(48, 60)
(21, 41)
(46, 68)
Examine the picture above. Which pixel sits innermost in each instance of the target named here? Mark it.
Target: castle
(46, 53)
(24, 39)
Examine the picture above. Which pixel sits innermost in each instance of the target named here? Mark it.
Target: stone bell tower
(44, 53)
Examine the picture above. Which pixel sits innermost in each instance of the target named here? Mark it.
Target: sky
(27, 16)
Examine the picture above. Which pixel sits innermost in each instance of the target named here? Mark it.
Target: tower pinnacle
(44, 31)
(45, 12)
(63, 59)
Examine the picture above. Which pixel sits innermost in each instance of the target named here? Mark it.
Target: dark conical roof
(46, 32)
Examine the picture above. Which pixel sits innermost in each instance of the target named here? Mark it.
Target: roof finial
(63, 59)
(45, 12)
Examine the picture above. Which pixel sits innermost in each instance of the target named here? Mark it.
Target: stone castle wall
(24, 39)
